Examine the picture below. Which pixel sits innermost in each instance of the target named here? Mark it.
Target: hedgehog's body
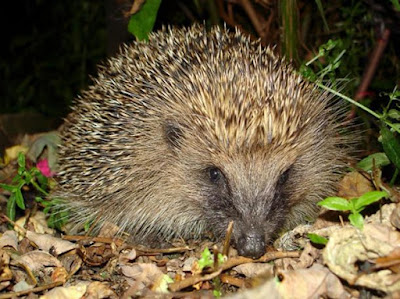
(194, 129)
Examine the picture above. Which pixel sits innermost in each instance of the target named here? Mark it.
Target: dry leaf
(349, 247)
(143, 274)
(71, 292)
(315, 282)
(46, 242)
(37, 260)
(98, 290)
(9, 239)
(254, 269)
(354, 184)
(126, 257)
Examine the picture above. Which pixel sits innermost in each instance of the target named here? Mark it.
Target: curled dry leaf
(354, 184)
(395, 217)
(47, 242)
(315, 282)
(9, 239)
(37, 260)
(72, 292)
(349, 247)
(382, 216)
(251, 270)
(127, 256)
(36, 222)
(99, 290)
(142, 274)
(71, 262)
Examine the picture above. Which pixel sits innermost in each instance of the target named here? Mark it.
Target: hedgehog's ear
(173, 133)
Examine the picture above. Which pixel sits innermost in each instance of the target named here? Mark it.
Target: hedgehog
(180, 135)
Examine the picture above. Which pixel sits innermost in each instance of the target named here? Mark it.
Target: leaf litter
(40, 262)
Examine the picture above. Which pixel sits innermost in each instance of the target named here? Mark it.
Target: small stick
(117, 241)
(34, 290)
(269, 256)
(23, 230)
(237, 282)
(179, 285)
(227, 241)
(120, 242)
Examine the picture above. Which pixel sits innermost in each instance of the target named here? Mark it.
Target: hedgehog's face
(252, 190)
(255, 199)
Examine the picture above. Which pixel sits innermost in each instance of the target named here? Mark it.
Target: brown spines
(138, 143)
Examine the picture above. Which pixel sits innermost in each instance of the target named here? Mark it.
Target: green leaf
(394, 113)
(206, 259)
(367, 163)
(11, 207)
(21, 160)
(19, 199)
(317, 239)
(357, 220)
(142, 22)
(163, 285)
(217, 293)
(391, 146)
(8, 187)
(368, 198)
(335, 203)
(17, 178)
(396, 4)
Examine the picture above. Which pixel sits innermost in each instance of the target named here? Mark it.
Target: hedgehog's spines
(232, 105)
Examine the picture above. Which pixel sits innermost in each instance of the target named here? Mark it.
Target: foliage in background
(24, 177)
(33, 177)
(354, 205)
(142, 22)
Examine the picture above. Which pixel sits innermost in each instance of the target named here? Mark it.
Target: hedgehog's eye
(215, 174)
(284, 177)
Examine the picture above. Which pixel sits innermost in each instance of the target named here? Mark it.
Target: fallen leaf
(144, 274)
(72, 292)
(37, 260)
(98, 290)
(349, 247)
(354, 184)
(46, 242)
(9, 239)
(251, 270)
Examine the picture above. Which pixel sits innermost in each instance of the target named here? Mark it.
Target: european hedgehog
(191, 130)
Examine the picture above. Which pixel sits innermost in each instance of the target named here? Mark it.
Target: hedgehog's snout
(251, 244)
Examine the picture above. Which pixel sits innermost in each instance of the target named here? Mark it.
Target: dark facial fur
(191, 130)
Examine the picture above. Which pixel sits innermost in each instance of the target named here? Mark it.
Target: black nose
(251, 244)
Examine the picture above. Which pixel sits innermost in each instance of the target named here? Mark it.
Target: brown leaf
(354, 184)
(47, 242)
(9, 239)
(98, 290)
(37, 260)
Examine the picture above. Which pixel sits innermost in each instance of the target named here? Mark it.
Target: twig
(179, 285)
(34, 290)
(269, 256)
(237, 282)
(23, 230)
(251, 12)
(117, 241)
(370, 69)
(227, 240)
